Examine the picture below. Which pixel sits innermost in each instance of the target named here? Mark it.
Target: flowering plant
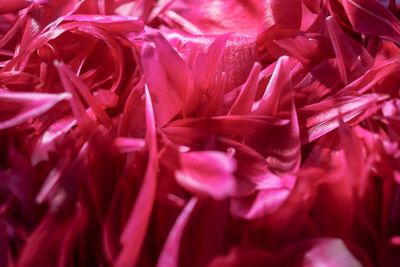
(199, 133)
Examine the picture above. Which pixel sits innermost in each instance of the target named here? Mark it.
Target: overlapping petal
(199, 133)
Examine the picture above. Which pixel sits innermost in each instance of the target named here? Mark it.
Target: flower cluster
(181, 133)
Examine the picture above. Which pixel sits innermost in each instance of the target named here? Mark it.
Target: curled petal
(371, 17)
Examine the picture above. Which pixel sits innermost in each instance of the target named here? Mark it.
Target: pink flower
(199, 133)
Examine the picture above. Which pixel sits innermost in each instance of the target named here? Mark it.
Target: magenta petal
(18, 108)
(319, 119)
(172, 62)
(278, 90)
(188, 133)
(283, 13)
(196, 248)
(8, 6)
(207, 64)
(216, 17)
(371, 17)
(134, 233)
(207, 172)
(169, 256)
(120, 24)
(167, 99)
(126, 145)
(352, 58)
(264, 202)
(329, 252)
(246, 97)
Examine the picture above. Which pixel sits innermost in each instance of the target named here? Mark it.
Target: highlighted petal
(17, 108)
(207, 172)
(246, 97)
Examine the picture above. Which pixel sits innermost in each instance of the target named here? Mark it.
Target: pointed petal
(246, 97)
(371, 17)
(353, 60)
(167, 98)
(172, 64)
(169, 256)
(196, 248)
(17, 108)
(207, 64)
(276, 93)
(135, 230)
(84, 91)
(319, 119)
(118, 24)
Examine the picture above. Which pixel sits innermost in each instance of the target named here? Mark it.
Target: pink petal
(169, 256)
(328, 252)
(134, 233)
(239, 55)
(126, 145)
(283, 13)
(172, 63)
(119, 24)
(321, 118)
(278, 90)
(308, 49)
(18, 108)
(246, 97)
(207, 172)
(264, 202)
(353, 59)
(371, 17)
(197, 249)
(7, 6)
(216, 16)
(167, 98)
(85, 92)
